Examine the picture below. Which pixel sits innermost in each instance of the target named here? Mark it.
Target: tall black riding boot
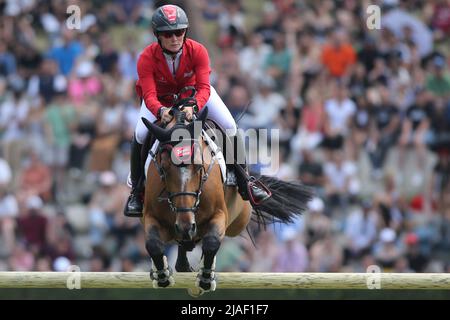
(249, 187)
(134, 205)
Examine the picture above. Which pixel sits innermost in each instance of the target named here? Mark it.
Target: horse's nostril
(194, 227)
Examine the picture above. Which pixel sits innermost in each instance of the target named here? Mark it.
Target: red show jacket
(156, 80)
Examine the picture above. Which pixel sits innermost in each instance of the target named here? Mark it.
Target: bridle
(168, 146)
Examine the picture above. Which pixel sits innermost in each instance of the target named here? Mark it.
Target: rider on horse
(164, 68)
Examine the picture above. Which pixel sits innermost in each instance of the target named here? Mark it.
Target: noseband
(168, 146)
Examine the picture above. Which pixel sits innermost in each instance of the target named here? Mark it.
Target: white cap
(85, 69)
(107, 178)
(288, 234)
(61, 264)
(387, 235)
(60, 83)
(316, 204)
(34, 202)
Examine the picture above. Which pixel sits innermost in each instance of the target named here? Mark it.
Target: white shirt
(5, 172)
(339, 112)
(12, 114)
(8, 206)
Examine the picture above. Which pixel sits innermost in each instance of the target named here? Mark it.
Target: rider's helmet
(169, 18)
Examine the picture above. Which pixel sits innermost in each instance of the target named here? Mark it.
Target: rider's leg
(218, 111)
(134, 205)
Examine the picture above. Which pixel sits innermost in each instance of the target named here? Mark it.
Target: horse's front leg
(182, 264)
(206, 278)
(161, 273)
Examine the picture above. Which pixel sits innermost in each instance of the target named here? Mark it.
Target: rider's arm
(146, 85)
(202, 71)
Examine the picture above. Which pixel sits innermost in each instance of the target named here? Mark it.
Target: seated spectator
(385, 130)
(14, 111)
(310, 130)
(338, 56)
(265, 107)
(109, 198)
(84, 84)
(341, 180)
(253, 57)
(7, 60)
(36, 178)
(360, 230)
(8, 212)
(264, 256)
(339, 111)
(388, 203)
(416, 259)
(107, 58)
(66, 53)
(311, 171)
(292, 256)
(326, 255)
(107, 137)
(32, 225)
(438, 82)
(21, 258)
(278, 62)
(415, 128)
(386, 250)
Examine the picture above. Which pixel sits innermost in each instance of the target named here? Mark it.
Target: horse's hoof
(162, 279)
(164, 284)
(206, 283)
(195, 292)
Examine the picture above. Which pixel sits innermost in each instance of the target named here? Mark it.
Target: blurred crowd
(363, 117)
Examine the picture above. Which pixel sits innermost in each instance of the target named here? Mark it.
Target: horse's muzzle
(186, 231)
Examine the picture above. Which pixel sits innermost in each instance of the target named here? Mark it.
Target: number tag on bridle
(182, 155)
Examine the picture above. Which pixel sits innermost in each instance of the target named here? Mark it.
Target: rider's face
(172, 41)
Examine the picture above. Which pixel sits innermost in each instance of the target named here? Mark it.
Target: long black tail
(288, 200)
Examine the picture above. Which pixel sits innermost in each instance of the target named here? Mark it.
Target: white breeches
(217, 111)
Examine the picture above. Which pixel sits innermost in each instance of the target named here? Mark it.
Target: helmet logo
(171, 13)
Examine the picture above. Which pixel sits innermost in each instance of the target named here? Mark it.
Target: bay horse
(187, 201)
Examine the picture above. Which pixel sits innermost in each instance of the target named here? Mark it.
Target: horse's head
(180, 162)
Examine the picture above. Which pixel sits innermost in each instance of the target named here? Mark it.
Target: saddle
(212, 140)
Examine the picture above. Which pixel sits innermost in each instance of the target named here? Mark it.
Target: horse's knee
(211, 243)
(154, 244)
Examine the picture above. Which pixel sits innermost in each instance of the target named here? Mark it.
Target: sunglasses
(169, 34)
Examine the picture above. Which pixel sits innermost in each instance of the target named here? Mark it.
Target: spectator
(361, 230)
(32, 225)
(338, 56)
(386, 251)
(293, 256)
(66, 53)
(326, 255)
(339, 111)
(36, 178)
(438, 81)
(278, 61)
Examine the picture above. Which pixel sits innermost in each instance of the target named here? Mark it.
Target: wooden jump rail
(230, 280)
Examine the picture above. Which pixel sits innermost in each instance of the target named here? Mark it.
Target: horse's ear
(203, 114)
(160, 133)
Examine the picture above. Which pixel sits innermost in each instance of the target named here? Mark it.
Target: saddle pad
(212, 145)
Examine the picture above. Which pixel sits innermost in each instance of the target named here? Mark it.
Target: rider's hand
(189, 112)
(166, 117)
